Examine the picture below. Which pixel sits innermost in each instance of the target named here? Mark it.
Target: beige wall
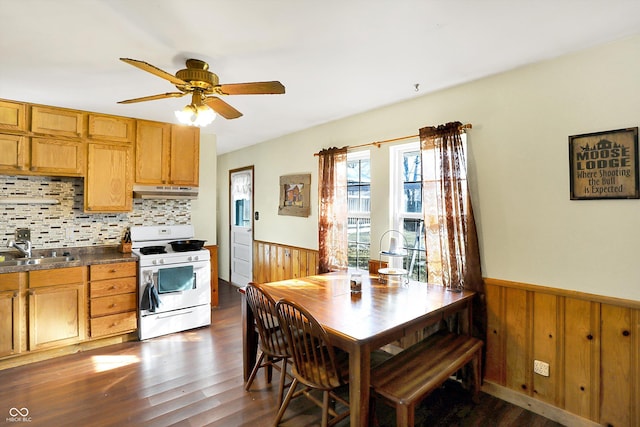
(518, 164)
(203, 209)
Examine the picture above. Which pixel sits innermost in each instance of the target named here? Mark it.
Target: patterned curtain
(456, 240)
(332, 215)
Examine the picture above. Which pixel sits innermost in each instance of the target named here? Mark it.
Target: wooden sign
(604, 165)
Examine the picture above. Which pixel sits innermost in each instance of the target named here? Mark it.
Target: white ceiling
(335, 57)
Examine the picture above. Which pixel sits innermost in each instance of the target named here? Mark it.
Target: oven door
(178, 286)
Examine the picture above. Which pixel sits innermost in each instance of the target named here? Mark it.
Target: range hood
(164, 192)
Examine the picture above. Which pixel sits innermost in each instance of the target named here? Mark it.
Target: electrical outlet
(23, 234)
(541, 368)
(69, 233)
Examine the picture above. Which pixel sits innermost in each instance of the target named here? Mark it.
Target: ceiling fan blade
(222, 108)
(256, 88)
(153, 97)
(154, 70)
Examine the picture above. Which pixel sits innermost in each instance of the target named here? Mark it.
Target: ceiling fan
(204, 87)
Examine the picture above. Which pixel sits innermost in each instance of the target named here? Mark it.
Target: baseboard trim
(541, 408)
(40, 355)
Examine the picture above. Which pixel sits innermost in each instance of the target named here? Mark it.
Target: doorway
(241, 225)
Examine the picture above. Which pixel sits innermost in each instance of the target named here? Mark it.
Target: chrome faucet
(26, 250)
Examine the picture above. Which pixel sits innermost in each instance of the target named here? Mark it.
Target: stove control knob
(154, 262)
(161, 261)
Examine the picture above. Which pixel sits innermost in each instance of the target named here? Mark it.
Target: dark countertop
(82, 256)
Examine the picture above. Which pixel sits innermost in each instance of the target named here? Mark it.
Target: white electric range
(174, 286)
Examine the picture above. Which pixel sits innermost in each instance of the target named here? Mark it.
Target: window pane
(359, 208)
(412, 197)
(365, 171)
(414, 234)
(411, 166)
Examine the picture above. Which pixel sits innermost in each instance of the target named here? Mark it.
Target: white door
(241, 219)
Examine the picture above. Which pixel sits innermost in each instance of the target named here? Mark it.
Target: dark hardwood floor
(194, 379)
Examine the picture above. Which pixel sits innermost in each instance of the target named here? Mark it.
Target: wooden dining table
(360, 323)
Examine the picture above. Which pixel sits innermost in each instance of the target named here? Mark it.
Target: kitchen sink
(37, 261)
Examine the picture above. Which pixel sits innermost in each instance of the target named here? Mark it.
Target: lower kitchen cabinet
(57, 301)
(112, 299)
(11, 312)
(213, 251)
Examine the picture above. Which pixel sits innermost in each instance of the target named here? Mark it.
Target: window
(407, 203)
(359, 209)
(415, 212)
(432, 192)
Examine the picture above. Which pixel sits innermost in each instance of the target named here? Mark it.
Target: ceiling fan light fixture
(196, 115)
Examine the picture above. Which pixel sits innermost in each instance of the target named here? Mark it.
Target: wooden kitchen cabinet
(12, 308)
(153, 142)
(111, 128)
(14, 153)
(184, 155)
(167, 154)
(57, 307)
(112, 299)
(41, 156)
(57, 121)
(108, 183)
(213, 252)
(13, 116)
(57, 157)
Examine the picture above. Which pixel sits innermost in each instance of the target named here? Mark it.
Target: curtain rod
(386, 141)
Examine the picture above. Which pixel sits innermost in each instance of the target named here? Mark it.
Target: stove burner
(152, 250)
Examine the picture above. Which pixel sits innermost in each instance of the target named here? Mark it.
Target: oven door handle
(171, 293)
(160, 316)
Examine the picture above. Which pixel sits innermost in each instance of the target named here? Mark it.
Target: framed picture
(604, 165)
(294, 195)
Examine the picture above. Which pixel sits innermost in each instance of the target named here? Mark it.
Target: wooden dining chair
(316, 364)
(273, 346)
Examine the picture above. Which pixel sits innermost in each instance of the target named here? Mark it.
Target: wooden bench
(411, 375)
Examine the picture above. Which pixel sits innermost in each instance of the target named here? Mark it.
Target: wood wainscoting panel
(517, 324)
(581, 362)
(274, 261)
(619, 399)
(591, 343)
(495, 351)
(545, 345)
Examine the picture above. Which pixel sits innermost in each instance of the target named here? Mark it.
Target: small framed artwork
(294, 195)
(604, 165)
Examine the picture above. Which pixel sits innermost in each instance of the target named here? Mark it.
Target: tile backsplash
(65, 224)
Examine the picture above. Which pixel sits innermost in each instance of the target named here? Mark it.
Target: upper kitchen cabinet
(166, 154)
(152, 152)
(57, 121)
(13, 116)
(14, 153)
(57, 157)
(108, 183)
(185, 155)
(111, 128)
(40, 156)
